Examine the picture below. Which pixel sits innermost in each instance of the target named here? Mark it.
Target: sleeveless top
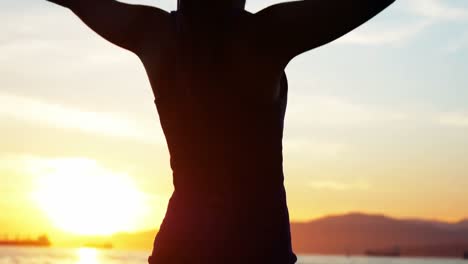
(229, 202)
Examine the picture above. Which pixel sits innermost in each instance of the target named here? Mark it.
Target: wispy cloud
(56, 115)
(427, 12)
(332, 110)
(339, 186)
(396, 35)
(456, 119)
(458, 44)
(315, 148)
(437, 9)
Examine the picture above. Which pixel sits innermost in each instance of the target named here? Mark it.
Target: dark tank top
(229, 202)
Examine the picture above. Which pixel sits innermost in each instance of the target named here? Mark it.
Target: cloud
(458, 44)
(437, 9)
(333, 111)
(396, 35)
(314, 148)
(336, 111)
(427, 12)
(338, 186)
(454, 119)
(56, 115)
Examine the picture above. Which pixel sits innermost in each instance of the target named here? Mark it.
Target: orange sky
(377, 123)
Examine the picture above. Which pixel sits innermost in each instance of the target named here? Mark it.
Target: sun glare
(87, 256)
(83, 198)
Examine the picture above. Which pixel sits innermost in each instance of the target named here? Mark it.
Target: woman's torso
(221, 100)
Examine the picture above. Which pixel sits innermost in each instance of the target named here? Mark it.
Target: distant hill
(355, 233)
(463, 224)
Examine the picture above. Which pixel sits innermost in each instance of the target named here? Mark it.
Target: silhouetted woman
(217, 73)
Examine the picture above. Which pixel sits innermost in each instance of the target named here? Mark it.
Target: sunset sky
(377, 122)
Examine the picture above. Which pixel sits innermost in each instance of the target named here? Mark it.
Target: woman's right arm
(125, 25)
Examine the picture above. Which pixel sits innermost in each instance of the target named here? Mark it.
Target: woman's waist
(228, 196)
(225, 213)
(225, 183)
(219, 157)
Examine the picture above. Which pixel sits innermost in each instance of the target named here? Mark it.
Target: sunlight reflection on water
(87, 256)
(15, 255)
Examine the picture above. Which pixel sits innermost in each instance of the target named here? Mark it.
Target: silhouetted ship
(42, 241)
(465, 255)
(384, 253)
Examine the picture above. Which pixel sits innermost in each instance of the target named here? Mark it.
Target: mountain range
(356, 233)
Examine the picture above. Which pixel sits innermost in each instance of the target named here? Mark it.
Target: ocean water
(14, 255)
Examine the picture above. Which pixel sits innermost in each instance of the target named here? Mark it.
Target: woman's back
(225, 143)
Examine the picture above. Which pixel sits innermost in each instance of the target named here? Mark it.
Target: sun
(80, 197)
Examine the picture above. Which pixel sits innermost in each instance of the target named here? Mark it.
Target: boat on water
(465, 255)
(42, 241)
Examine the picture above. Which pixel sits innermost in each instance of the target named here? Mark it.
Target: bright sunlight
(87, 256)
(83, 198)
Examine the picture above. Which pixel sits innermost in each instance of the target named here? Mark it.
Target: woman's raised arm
(296, 27)
(122, 24)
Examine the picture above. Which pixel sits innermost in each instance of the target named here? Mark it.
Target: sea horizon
(53, 255)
